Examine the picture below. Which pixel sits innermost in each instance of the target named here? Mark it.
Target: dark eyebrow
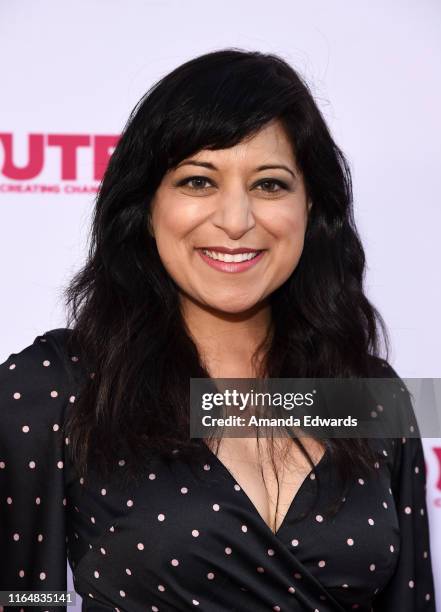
(192, 162)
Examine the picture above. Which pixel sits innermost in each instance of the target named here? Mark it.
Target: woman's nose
(234, 212)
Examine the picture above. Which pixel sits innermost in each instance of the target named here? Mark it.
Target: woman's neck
(227, 341)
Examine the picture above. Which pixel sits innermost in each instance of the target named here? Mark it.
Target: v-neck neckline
(248, 499)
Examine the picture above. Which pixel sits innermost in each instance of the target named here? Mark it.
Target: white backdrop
(71, 72)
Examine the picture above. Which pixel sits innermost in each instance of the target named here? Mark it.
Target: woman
(223, 245)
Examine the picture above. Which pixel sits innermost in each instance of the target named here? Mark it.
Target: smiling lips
(230, 260)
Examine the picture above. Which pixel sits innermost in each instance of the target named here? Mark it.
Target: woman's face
(250, 196)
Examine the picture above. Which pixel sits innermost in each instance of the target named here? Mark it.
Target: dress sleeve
(411, 588)
(33, 400)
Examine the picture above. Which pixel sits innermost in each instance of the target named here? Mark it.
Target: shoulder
(44, 358)
(408, 449)
(39, 380)
(380, 368)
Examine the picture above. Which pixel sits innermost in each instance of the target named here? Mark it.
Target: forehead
(271, 144)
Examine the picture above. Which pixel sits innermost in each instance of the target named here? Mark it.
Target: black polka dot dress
(184, 540)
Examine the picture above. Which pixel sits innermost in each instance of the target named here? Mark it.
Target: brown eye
(270, 184)
(198, 183)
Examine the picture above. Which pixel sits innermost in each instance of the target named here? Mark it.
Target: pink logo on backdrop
(437, 484)
(59, 155)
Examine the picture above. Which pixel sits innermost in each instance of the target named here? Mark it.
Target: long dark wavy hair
(124, 308)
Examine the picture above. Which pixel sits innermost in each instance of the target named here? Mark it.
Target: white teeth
(236, 258)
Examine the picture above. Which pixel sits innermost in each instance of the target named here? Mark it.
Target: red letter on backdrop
(69, 144)
(103, 149)
(35, 158)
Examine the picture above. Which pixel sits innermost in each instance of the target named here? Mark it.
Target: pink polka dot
(322, 563)
(291, 589)
(244, 528)
(174, 562)
(260, 570)
(21, 573)
(195, 533)
(46, 363)
(228, 550)
(407, 509)
(152, 476)
(32, 464)
(128, 571)
(60, 465)
(96, 574)
(54, 393)
(411, 584)
(361, 481)
(161, 517)
(270, 551)
(17, 395)
(391, 548)
(103, 551)
(294, 542)
(103, 491)
(216, 507)
(210, 576)
(161, 587)
(350, 542)
(130, 502)
(140, 546)
(207, 467)
(42, 576)
(122, 593)
(195, 602)
(16, 537)
(371, 521)
(319, 518)
(184, 490)
(12, 366)
(25, 428)
(372, 567)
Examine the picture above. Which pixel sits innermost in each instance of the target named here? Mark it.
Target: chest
(181, 534)
(271, 480)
